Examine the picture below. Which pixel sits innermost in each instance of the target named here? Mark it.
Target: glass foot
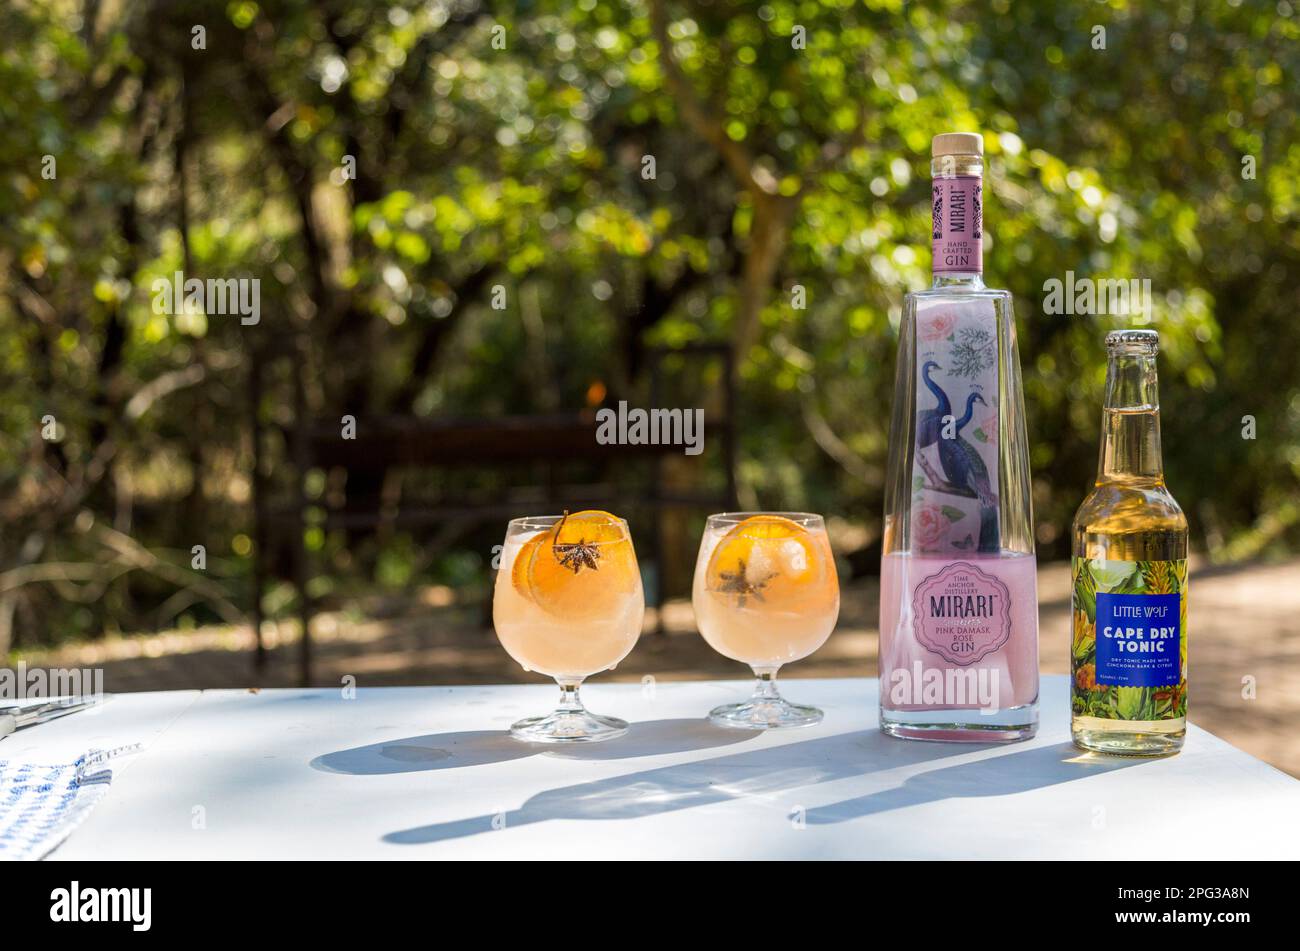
(569, 723)
(568, 726)
(764, 714)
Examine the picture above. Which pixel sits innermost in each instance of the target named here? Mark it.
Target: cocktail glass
(766, 594)
(568, 603)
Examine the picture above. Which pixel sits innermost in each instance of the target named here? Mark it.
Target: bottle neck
(957, 220)
(974, 282)
(1130, 436)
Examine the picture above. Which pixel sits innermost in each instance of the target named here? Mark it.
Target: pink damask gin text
(959, 604)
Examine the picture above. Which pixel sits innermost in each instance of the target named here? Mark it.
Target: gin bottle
(958, 604)
(1129, 632)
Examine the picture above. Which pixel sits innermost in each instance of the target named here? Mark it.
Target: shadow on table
(1004, 775)
(757, 772)
(777, 769)
(480, 747)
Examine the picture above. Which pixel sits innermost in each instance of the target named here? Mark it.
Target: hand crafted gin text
(1129, 645)
(958, 603)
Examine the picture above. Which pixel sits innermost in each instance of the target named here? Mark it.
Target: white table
(429, 773)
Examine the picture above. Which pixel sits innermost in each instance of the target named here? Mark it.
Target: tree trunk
(773, 215)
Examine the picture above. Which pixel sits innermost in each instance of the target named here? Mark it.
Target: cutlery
(17, 717)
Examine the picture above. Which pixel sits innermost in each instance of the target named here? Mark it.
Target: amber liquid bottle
(1129, 619)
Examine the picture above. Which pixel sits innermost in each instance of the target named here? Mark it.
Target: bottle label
(958, 224)
(961, 613)
(1129, 649)
(954, 507)
(958, 633)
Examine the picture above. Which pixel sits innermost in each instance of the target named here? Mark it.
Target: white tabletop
(428, 772)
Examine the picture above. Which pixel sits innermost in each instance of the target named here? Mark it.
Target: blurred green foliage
(507, 144)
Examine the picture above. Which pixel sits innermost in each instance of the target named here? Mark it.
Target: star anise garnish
(576, 556)
(737, 583)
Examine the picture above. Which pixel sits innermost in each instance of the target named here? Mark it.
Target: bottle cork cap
(957, 143)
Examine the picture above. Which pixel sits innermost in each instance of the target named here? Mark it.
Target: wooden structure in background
(439, 444)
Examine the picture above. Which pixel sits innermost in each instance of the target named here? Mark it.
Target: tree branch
(700, 118)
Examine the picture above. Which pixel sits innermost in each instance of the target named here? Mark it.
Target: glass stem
(765, 686)
(569, 701)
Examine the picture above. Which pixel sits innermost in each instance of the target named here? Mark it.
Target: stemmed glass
(568, 603)
(766, 594)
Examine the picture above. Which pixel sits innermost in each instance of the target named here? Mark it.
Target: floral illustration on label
(1129, 648)
(962, 613)
(955, 467)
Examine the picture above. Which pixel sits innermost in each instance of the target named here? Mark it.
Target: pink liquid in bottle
(959, 605)
(958, 635)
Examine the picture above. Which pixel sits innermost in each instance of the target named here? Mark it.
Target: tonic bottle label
(1129, 649)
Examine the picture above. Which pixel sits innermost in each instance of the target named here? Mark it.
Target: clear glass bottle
(959, 597)
(1129, 619)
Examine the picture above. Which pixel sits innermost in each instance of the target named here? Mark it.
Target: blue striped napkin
(41, 803)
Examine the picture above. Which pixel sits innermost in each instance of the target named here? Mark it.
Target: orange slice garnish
(766, 561)
(583, 567)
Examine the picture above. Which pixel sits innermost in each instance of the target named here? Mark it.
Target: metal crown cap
(1134, 341)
